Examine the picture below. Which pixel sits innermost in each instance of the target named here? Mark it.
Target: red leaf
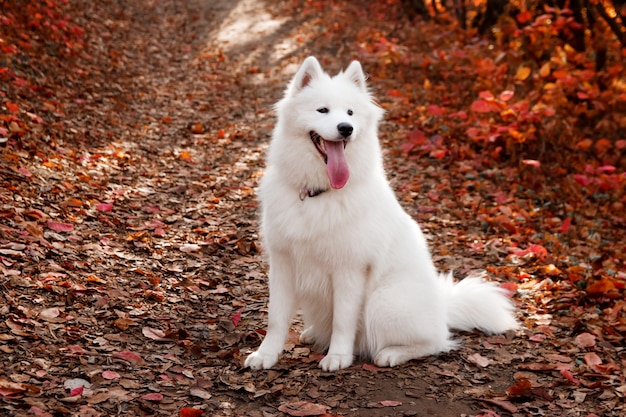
(372, 368)
(567, 374)
(609, 169)
(39, 412)
(77, 350)
(565, 225)
(128, 355)
(582, 179)
(511, 287)
(76, 391)
(153, 396)
(236, 317)
(524, 17)
(416, 137)
(481, 106)
(438, 153)
(486, 95)
(60, 227)
(104, 207)
(435, 110)
(190, 412)
(110, 375)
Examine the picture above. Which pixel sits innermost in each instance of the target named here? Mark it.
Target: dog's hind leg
(404, 322)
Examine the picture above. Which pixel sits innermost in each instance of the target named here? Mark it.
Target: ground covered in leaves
(132, 282)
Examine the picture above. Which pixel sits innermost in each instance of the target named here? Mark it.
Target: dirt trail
(133, 262)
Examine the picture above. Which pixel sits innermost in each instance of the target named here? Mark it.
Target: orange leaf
(584, 144)
(12, 107)
(522, 73)
(544, 71)
(197, 129)
(600, 287)
(185, 156)
(521, 390)
(603, 145)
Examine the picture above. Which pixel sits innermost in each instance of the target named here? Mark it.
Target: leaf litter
(132, 275)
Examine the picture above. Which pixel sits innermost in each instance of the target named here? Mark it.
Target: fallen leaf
(60, 227)
(110, 375)
(128, 355)
(585, 340)
(303, 408)
(479, 360)
(154, 396)
(567, 374)
(104, 207)
(191, 412)
(155, 334)
(522, 73)
(235, 318)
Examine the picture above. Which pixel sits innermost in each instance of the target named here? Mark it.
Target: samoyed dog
(340, 246)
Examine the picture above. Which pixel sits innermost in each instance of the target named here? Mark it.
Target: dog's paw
(390, 357)
(333, 362)
(257, 360)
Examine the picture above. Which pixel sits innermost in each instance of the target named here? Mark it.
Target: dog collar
(307, 192)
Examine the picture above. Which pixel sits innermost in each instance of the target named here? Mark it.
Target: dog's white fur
(352, 259)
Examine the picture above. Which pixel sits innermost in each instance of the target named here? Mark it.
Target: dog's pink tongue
(336, 164)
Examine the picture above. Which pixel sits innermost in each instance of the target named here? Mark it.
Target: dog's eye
(323, 110)
(350, 112)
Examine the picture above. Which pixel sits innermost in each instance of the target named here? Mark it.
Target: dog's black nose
(345, 129)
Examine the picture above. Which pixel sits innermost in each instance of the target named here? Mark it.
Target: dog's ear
(354, 72)
(309, 70)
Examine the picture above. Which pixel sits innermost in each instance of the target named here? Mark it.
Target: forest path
(130, 244)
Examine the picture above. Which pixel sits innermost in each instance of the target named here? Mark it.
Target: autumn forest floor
(131, 273)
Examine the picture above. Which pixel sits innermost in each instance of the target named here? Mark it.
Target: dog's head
(331, 112)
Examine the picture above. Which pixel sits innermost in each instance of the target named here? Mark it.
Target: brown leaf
(303, 408)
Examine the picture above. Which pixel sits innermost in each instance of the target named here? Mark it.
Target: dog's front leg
(347, 304)
(282, 306)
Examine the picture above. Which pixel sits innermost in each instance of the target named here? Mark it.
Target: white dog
(341, 247)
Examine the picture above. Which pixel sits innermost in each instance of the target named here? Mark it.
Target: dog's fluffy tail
(474, 303)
